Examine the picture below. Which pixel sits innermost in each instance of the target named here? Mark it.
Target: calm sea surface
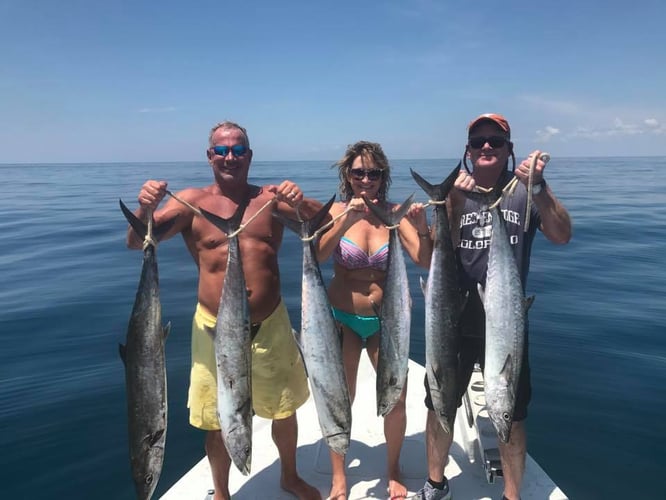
(67, 285)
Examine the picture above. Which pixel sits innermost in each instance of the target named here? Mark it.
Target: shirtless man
(278, 388)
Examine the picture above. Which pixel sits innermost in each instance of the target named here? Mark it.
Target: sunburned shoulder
(262, 192)
(192, 194)
(338, 207)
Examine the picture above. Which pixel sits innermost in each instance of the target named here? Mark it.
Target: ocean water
(67, 285)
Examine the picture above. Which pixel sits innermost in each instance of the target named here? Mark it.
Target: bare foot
(338, 489)
(300, 489)
(396, 489)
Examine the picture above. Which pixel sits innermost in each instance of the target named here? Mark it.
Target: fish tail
(141, 228)
(230, 224)
(306, 228)
(424, 285)
(316, 220)
(122, 349)
(389, 218)
(137, 224)
(437, 192)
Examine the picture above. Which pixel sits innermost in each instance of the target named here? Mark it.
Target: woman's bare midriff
(356, 290)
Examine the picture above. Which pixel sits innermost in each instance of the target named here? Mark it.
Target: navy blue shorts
(472, 350)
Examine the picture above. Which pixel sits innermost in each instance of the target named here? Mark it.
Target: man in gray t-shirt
(489, 149)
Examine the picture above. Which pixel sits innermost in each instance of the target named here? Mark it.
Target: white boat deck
(366, 459)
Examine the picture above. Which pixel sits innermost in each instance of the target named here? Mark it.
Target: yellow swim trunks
(279, 383)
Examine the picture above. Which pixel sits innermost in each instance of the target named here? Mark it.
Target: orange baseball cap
(499, 120)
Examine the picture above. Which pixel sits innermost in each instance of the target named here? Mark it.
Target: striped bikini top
(350, 256)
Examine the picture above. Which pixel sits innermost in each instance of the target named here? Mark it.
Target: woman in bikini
(358, 242)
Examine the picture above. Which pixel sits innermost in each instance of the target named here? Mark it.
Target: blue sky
(136, 80)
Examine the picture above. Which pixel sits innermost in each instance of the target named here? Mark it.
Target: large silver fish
(233, 342)
(395, 314)
(443, 305)
(145, 367)
(505, 307)
(319, 342)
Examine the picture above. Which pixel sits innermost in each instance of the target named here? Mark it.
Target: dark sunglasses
(360, 173)
(236, 151)
(495, 141)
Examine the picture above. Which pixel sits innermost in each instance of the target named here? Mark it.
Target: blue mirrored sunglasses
(236, 150)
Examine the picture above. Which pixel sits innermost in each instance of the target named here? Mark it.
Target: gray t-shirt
(475, 232)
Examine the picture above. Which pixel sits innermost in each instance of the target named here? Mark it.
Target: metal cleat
(477, 417)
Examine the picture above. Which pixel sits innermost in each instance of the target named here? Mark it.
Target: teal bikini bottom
(363, 326)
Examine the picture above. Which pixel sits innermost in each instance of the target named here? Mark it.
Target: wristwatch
(537, 188)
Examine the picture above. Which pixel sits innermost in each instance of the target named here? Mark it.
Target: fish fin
(300, 349)
(221, 223)
(137, 224)
(378, 313)
(232, 223)
(401, 211)
(164, 228)
(316, 220)
(306, 228)
(424, 284)
(430, 189)
(393, 217)
(527, 302)
(481, 292)
(153, 438)
(463, 301)
(507, 370)
(166, 329)
(141, 228)
(294, 225)
(437, 192)
(122, 350)
(435, 376)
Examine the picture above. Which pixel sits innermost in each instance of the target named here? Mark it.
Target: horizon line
(26, 163)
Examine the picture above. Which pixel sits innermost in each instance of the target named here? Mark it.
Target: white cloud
(547, 133)
(579, 119)
(653, 125)
(620, 128)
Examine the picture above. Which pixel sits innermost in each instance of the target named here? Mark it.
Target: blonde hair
(228, 125)
(371, 150)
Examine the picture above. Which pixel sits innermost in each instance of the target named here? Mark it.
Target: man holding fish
(278, 380)
(489, 149)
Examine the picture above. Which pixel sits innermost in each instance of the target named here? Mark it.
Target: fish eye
(148, 479)
(506, 416)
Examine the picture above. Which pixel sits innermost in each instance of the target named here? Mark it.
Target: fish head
(147, 466)
(238, 441)
(339, 442)
(500, 404)
(145, 485)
